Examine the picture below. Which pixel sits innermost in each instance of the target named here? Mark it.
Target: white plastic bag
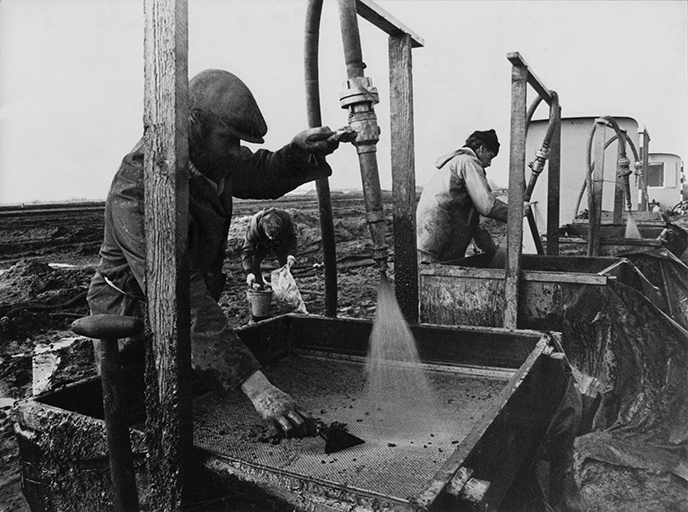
(286, 293)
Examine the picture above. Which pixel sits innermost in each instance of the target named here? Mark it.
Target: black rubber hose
(311, 46)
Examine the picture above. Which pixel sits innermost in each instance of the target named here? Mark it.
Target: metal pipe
(311, 45)
(359, 97)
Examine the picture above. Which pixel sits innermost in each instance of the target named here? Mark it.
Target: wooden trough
(463, 293)
(655, 233)
(496, 392)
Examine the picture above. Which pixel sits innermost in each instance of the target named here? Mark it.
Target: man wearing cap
(450, 206)
(269, 231)
(222, 113)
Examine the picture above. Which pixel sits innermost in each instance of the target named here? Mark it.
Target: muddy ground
(47, 259)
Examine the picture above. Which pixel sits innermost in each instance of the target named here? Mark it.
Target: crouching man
(222, 113)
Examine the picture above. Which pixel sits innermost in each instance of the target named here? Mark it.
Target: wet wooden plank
(167, 273)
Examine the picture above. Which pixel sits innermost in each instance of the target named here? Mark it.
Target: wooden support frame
(521, 76)
(401, 41)
(642, 185)
(403, 175)
(518, 61)
(383, 20)
(554, 189)
(619, 182)
(168, 382)
(517, 160)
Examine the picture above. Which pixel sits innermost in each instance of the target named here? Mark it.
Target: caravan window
(655, 175)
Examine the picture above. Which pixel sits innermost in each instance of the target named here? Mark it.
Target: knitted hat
(489, 138)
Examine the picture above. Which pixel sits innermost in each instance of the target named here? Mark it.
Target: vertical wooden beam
(595, 190)
(642, 185)
(168, 403)
(517, 163)
(553, 188)
(619, 182)
(403, 175)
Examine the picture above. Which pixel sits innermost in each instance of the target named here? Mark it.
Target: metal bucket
(260, 302)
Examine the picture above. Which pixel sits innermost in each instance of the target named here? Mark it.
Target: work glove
(277, 407)
(290, 260)
(319, 141)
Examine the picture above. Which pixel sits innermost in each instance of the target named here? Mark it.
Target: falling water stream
(631, 228)
(398, 390)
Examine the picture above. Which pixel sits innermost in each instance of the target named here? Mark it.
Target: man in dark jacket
(270, 231)
(222, 112)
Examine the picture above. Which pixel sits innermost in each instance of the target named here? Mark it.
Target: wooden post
(517, 161)
(168, 404)
(619, 182)
(595, 190)
(403, 175)
(642, 184)
(553, 188)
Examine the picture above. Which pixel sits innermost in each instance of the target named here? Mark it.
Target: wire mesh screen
(402, 450)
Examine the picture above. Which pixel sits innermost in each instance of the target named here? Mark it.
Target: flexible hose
(539, 163)
(311, 71)
(590, 165)
(594, 197)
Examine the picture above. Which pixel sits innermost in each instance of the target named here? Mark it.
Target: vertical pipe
(403, 175)
(517, 160)
(359, 98)
(353, 56)
(322, 186)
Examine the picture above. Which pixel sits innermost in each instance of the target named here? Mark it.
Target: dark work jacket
(119, 283)
(257, 245)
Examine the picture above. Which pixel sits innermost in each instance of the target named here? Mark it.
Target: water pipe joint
(358, 90)
(541, 156)
(623, 166)
(367, 130)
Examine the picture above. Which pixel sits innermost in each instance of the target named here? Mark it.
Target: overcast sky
(71, 77)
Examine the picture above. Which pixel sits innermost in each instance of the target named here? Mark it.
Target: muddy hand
(276, 406)
(315, 141)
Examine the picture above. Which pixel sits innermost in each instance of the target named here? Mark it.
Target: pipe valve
(359, 96)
